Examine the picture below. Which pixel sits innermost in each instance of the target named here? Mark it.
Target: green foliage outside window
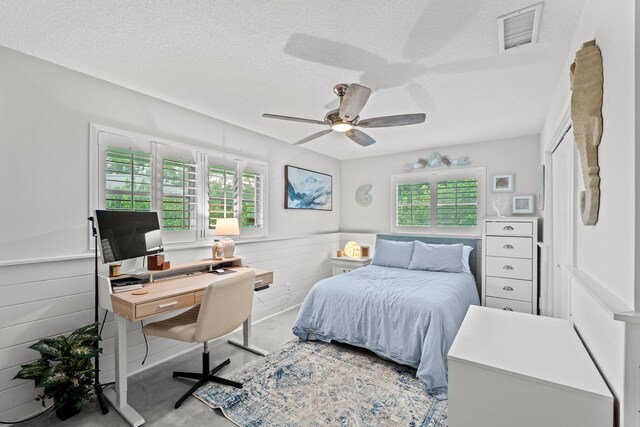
(413, 204)
(128, 180)
(221, 193)
(179, 180)
(457, 203)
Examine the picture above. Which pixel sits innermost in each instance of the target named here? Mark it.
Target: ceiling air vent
(519, 28)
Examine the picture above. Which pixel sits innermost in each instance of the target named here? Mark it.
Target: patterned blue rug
(317, 384)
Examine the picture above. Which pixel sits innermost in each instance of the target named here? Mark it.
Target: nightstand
(346, 264)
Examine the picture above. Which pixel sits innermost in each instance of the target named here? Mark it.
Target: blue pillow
(447, 258)
(390, 253)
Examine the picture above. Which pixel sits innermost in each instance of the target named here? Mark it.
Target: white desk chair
(225, 305)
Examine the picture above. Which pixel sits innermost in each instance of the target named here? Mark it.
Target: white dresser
(510, 264)
(514, 370)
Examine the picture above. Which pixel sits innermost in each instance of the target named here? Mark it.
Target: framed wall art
(521, 205)
(307, 189)
(502, 183)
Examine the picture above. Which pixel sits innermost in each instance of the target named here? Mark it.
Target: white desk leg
(246, 336)
(118, 398)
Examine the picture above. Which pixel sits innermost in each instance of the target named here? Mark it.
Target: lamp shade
(227, 227)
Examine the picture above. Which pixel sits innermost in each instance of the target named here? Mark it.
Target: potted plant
(64, 370)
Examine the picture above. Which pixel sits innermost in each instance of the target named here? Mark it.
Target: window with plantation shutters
(445, 202)
(457, 203)
(222, 192)
(128, 180)
(179, 194)
(252, 210)
(190, 187)
(413, 204)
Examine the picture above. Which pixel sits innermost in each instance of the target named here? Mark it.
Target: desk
(166, 294)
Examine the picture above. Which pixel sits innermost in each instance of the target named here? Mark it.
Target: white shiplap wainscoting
(41, 299)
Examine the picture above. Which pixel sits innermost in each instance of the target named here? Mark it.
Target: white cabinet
(510, 264)
(345, 264)
(510, 369)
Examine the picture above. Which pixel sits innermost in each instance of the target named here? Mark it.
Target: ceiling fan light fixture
(341, 126)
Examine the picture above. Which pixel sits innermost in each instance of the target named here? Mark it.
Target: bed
(408, 316)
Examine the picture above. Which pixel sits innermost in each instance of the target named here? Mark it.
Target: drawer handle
(508, 228)
(258, 282)
(508, 247)
(508, 309)
(167, 305)
(507, 267)
(507, 288)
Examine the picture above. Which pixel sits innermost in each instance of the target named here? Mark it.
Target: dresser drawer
(509, 305)
(514, 247)
(513, 268)
(166, 304)
(509, 288)
(506, 228)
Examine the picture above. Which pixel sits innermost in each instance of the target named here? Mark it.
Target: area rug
(316, 384)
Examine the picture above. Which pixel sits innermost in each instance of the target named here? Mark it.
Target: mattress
(408, 316)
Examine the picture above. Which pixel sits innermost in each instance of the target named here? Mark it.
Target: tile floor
(154, 392)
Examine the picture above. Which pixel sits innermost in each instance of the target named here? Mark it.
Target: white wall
(44, 192)
(605, 261)
(520, 156)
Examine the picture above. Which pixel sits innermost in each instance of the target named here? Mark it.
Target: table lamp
(227, 227)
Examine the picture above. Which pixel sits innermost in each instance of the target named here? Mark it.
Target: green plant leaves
(47, 347)
(32, 371)
(64, 370)
(54, 377)
(83, 352)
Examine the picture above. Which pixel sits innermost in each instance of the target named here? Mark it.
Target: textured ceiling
(237, 60)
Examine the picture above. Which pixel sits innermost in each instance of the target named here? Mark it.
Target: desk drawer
(513, 247)
(512, 268)
(198, 296)
(509, 288)
(506, 228)
(263, 277)
(163, 305)
(509, 305)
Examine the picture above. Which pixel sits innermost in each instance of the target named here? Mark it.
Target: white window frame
(432, 177)
(154, 146)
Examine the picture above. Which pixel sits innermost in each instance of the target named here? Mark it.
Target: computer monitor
(125, 235)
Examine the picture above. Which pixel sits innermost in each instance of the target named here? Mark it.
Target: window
(413, 203)
(437, 202)
(179, 194)
(457, 203)
(127, 180)
(221, 193)
(189, 187)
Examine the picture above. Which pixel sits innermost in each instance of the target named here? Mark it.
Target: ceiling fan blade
(388, 121)
(360, 137)
(314, 136)
(353, 101)
(293, 119)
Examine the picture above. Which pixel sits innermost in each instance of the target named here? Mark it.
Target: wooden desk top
(172, 293)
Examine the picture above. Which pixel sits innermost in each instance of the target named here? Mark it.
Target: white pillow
(466, 251)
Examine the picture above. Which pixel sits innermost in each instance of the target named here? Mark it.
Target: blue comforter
(408, 316)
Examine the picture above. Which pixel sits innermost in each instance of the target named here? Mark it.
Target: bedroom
(201, 75)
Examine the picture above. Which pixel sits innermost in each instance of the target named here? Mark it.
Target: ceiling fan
(346, 118)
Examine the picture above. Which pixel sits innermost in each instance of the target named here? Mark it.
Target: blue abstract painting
(307, 189)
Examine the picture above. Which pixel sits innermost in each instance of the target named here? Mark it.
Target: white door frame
(546, 277)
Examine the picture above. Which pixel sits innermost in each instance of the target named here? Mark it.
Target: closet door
(562, 161)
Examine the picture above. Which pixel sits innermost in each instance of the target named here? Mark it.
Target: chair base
(205, 377)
